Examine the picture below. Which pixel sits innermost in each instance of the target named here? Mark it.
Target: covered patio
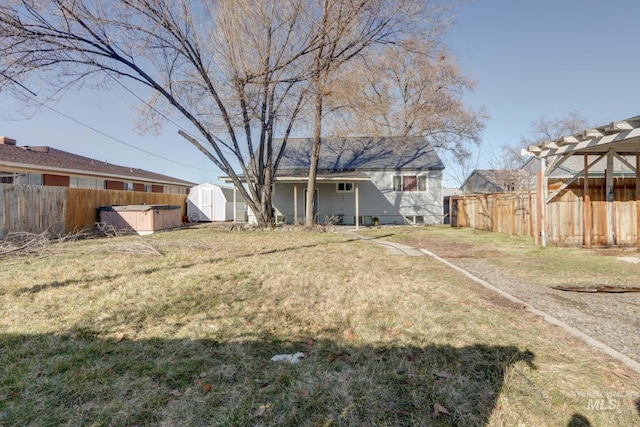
(298, 180)
(349, 180)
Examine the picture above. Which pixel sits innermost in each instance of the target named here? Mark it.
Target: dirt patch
(497, 299)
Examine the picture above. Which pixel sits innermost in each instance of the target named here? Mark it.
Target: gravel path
(613, 319)
(610, 318)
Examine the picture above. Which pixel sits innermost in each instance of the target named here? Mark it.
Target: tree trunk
(315, 157)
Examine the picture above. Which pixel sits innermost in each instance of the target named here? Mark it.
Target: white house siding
(376, 199)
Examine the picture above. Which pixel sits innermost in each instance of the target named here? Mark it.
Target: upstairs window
(410, 183)
(344, 187)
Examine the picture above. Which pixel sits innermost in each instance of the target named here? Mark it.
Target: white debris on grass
(633, 259)
(290, 358)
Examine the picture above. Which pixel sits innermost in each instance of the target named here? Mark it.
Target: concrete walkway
(392, 247)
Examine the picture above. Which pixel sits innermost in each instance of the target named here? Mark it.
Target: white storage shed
(208, 202)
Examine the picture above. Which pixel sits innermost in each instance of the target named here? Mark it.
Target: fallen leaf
(335, 355)
(348, 334)
(304, 395)
(171, 403)
(202, 374)
(119, 337)
(442, 374)
(206, 387)
(259, 412)
(439, 409)
(309, 344)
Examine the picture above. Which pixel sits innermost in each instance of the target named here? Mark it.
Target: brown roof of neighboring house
(47, 159)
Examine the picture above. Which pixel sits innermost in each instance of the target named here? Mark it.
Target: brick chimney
(7, 141)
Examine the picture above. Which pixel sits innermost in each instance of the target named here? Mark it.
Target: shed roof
(47, 159)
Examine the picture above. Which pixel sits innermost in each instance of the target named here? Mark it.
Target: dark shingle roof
(43, 158)
(362, 154)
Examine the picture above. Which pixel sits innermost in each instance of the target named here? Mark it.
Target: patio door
(316, 207)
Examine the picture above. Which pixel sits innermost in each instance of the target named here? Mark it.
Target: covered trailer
(209, 202)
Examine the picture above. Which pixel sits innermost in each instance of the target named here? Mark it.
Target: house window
(76, 182)
(168, 189)
(128, 186)
(6, 177)
(28, 179)
(148, 188)
(397, 183)
(344, 187)
(422, 183)
(409, 183)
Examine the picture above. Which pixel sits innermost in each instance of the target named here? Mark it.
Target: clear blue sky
(529, 59)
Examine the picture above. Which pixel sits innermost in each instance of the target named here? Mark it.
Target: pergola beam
(572, 180)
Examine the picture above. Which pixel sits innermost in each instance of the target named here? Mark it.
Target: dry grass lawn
(178, 328)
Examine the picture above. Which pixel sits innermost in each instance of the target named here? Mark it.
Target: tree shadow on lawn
(78, 378)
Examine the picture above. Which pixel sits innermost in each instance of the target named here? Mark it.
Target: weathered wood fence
(515, 213)
(36, 209)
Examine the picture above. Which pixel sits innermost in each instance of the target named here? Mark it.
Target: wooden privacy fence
(36, 209)
(512, 213)
(515, 213)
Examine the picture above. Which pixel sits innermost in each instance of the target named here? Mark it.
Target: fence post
(587, 204)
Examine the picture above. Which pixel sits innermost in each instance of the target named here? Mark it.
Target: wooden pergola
(616, 141)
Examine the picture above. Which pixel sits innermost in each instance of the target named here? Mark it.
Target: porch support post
(235, 206)
(587, 204)
(295, 203)
(357, 194)
(610, 198)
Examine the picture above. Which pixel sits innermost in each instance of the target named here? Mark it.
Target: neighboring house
(483, 181)
(49, 166)
(380, 180)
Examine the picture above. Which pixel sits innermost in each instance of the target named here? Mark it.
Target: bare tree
(232, 68)
(239, 71)
(509, 161)
(543, 130)
(413, 89)
(347, 29)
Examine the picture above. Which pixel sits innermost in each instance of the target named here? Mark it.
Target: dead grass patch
(94, 336)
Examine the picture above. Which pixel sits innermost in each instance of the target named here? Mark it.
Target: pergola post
(638, 200)
(587, 204)
(610, 198)
(539, 202)
(357, 192)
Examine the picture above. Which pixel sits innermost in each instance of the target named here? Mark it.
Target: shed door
(206, 202)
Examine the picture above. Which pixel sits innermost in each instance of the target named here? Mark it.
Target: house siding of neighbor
(396, 180)
(48, 166)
